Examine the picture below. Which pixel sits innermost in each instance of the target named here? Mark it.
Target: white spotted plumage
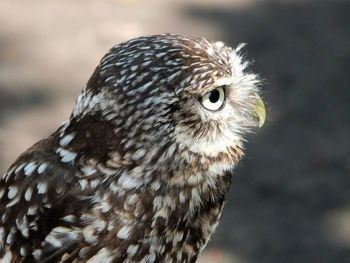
(141, 170)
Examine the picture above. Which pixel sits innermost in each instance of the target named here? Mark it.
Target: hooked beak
(259, 111)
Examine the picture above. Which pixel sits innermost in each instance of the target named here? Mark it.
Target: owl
(141, 171)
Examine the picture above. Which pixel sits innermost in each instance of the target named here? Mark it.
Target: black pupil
(214, 96)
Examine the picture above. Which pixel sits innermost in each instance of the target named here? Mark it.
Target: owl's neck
(173, 208)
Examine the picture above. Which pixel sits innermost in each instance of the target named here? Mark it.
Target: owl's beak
(259, 111)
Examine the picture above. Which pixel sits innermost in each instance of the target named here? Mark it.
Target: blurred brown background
(290, 200)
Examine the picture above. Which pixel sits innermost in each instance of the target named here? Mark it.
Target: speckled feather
(141, 171)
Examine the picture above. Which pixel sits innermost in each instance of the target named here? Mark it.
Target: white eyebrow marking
(224, 81)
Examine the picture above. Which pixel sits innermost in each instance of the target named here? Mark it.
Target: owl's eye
(214, 99)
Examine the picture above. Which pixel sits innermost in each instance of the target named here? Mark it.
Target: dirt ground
(290, 198)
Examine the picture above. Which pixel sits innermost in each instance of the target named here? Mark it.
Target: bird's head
(167, 98)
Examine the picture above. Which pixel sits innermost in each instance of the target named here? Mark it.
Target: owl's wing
(40, 204)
